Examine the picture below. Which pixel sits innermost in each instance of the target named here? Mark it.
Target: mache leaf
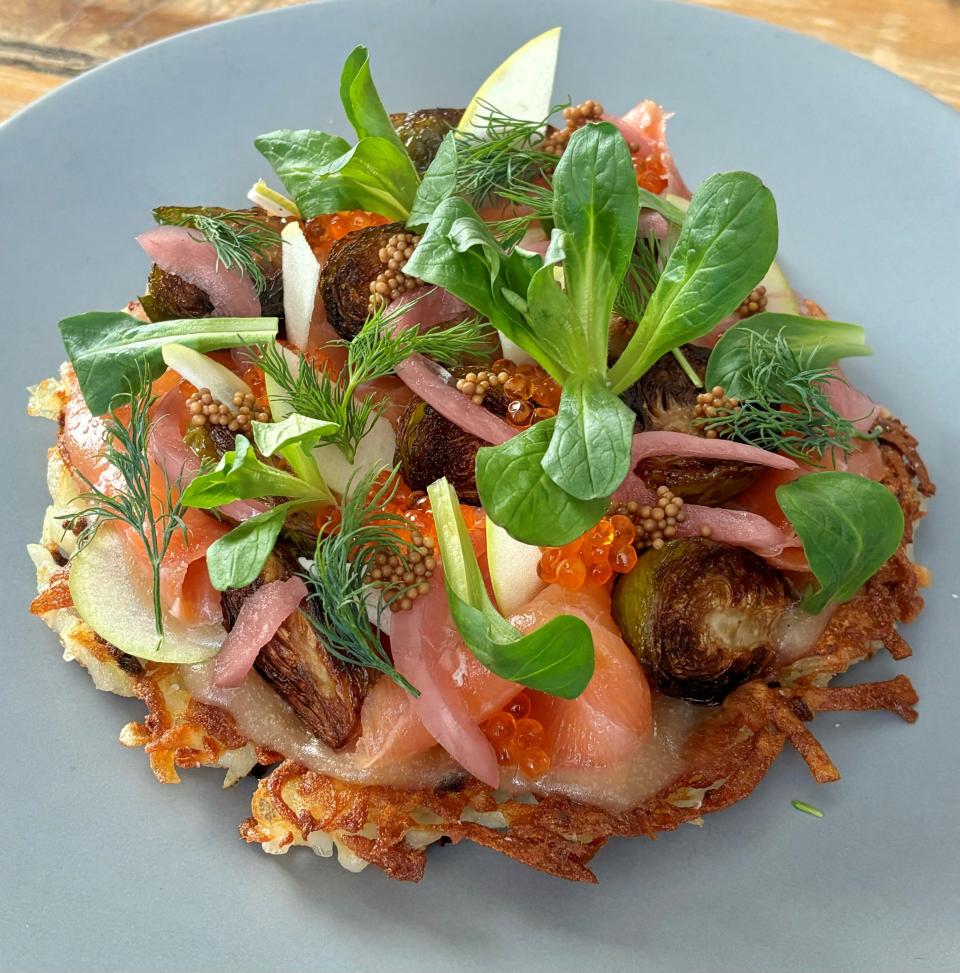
(728, 241)
(241, 476)
(518, 494)
(236, 559)
(820, 342)
(589, 453)
(111, 351)
(596, 205)
(849, 526)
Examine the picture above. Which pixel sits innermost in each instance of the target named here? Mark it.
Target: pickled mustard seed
(754, 303)
(391, 283)
(807, 808)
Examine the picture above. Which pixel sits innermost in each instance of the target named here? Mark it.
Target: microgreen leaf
(111, 350)
(459, 253)
(589, 453)
(237, 558)
(324, 174)
(728, 241)
(820, 343)
(669, 211)
(439, 182)
(272, 437)
(596, 205)
(241, 476)
(848, 525)
(556, 658)
(516, 492)
(361, 101)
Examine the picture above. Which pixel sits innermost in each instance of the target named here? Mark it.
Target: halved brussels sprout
(699, 615)
(430, 446)
(663, 399)
(353, 262)
(423, 130)
(170, 297)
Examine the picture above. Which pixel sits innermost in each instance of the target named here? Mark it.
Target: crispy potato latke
(726, 757)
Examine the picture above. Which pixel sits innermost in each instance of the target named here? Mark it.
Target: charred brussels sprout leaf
(849, 526)
(699, 615)
(353, 263)
(429, 447)
(422, 131)
(704, 481)
(170, 297)
(664, 398)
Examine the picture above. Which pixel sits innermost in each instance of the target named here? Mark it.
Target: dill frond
(505, 158)
(237, 238)
(374, 352)
(646, 266)
(783, 404)
(150, 511)
(338, 580)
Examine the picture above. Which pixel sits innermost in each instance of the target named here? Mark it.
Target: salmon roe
(593, 558)
(323, 231)
(518, 739)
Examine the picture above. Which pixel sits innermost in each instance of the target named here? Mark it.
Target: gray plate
(104, 869)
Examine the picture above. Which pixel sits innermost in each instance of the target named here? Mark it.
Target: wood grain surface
(45, 42)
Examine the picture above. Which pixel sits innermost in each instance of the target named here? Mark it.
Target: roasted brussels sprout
(422, 132)
(663, 399)
(699, 616)
(430, 446)
(170, 296)
(705, 481)
(353, 262)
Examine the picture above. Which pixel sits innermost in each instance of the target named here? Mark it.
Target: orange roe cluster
(323, 231)
(594, 557)
(518, 739)
(531, 394)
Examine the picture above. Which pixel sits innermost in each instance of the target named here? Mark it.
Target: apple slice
(301, 278)
(513, 569)
(276, 204)
(205, 373)
(376, 449)
(112, 595)
(521, 87)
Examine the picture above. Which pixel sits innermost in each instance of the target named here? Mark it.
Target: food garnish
(151, 510)
(238, 238)
(504, 348)
(556, 658)
(807, 808)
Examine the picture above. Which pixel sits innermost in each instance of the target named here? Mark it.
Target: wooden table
(45, 42)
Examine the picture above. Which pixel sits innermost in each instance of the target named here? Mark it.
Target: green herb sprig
(238, 239)
(375, 352)
(784, 406)
(148, 508)
(504, 157)
(340, 588)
